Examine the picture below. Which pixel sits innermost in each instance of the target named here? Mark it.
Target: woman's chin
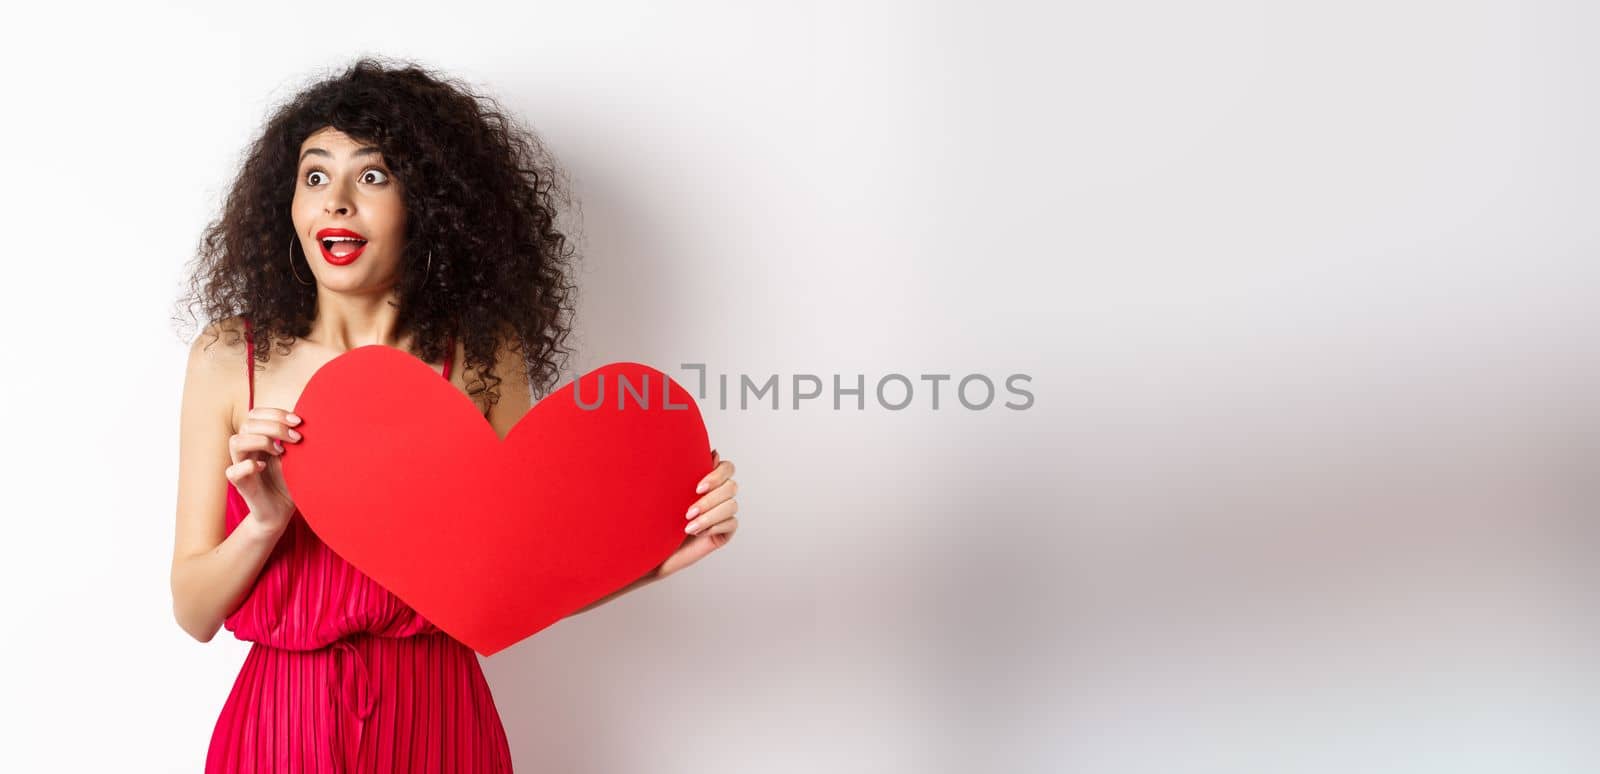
(355, 279)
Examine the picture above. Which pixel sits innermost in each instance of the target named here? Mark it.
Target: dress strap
(449, 355)
(250, 361)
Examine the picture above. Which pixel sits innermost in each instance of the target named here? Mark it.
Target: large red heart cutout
(494, 540)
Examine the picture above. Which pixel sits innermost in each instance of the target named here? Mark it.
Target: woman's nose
(338, 202)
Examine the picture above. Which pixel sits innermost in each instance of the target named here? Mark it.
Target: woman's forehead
(331, 141)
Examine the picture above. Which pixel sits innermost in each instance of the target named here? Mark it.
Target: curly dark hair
(480, 193)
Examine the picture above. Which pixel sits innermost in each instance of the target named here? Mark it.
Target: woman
(384, 205)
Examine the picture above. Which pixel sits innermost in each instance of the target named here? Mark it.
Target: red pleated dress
(344, 677)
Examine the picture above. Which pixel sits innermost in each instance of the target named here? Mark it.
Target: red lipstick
(329, 238)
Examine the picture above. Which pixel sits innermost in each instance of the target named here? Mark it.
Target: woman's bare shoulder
(514, 394)
(216, 368)
(219, 340)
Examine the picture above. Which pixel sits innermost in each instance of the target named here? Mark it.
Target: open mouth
(340, 246)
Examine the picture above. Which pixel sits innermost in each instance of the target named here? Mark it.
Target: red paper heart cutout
(494, 540)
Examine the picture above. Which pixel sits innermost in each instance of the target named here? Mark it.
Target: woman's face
(348, 213)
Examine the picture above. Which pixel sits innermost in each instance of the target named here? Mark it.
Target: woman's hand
(256, 471)
(711, 521)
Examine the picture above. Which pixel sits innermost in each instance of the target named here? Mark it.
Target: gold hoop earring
(296, 274)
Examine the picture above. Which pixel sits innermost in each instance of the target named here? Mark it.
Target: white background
(1307, 293)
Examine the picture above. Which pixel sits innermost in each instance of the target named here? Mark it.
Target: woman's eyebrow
(367, 151)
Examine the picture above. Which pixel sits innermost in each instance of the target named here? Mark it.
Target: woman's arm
(648, 578)
(211, 574)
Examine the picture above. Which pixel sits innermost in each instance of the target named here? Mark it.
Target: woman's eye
(312, 177)
(374, 176)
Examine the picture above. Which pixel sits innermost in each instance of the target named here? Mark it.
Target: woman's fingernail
(294, 436)
(692, 528)
(293, 420)
(278, 444)
(701, 489)
(693, 509)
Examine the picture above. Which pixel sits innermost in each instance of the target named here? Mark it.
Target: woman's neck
(346, 322)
